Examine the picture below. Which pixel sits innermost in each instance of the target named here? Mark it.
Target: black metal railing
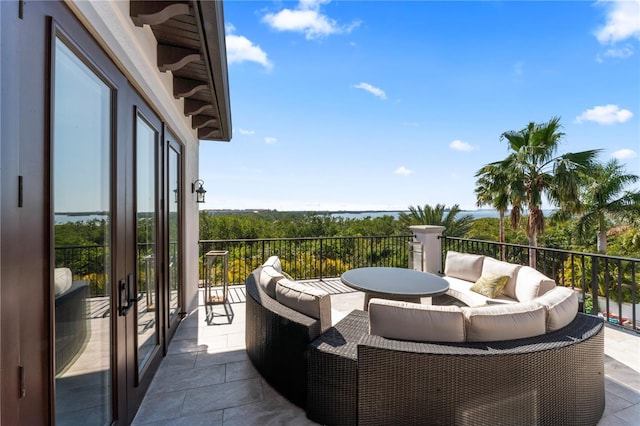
(607, 285)
(309, 258)
(87, 262)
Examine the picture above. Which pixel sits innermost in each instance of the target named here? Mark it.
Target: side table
(216, 262)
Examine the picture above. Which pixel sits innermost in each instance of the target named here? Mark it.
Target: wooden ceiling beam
(209, 133)
(200, 121)
(156, 12)
(184, 87)
(171, 58)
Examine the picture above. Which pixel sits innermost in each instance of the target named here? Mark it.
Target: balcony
(207, 378)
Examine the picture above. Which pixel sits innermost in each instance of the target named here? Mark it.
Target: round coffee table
(394, 283)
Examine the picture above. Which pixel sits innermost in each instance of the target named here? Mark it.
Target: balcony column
(429, 236)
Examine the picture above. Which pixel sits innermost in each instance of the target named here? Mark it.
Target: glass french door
(174, 196)
(82, 188)
(147, 141)
(116, 201)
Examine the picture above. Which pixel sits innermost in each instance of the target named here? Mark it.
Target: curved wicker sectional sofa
(346, 375)
(276, 338)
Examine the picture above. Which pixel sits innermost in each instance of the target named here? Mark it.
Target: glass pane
(174, 232)
(82, 220)
(146, 217)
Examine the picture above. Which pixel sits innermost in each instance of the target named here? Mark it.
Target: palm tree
(438, 215)
(534, 167)
(604, 196)
(492, 188)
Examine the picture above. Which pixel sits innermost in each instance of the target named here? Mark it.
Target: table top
(395, 281)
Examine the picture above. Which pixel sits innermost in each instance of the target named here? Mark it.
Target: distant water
(476, 214)
(61, 218)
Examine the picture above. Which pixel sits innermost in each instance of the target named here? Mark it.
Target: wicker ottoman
(332, 377)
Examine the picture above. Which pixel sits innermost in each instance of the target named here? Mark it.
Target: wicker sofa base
(332, 372)
(556, 378)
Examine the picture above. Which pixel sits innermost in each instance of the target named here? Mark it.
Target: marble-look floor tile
(225, 395)
(264, 413)
(612, 420)
(240, 370)
(160, 407)
(211, 358)
(190, 378)
(178, 361)
(630, 414)
(614, 404)
(211, 418)
(187, 345)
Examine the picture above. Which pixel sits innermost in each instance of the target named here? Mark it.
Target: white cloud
(371, 89)
(623, 52)
(270, 140)
(241, 49)
(402, 170)
(622, 21)
(605, 114)
(458, 145)
(624, 154)
(246, 132)
(306, 18)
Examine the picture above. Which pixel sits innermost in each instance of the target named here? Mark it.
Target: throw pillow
(490, 285)
(287, 276)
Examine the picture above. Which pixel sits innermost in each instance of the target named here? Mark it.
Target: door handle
(123, 298)
(131, 289)
(128, 296)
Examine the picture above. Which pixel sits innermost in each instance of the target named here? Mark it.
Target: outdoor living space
(207, 378)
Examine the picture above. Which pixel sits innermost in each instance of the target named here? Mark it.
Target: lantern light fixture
(199, 191)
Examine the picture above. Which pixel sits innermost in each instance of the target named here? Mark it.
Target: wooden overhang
(191, 44)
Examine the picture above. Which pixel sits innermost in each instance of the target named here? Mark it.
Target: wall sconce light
(200, 191)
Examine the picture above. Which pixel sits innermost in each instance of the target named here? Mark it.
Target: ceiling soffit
(191, 44)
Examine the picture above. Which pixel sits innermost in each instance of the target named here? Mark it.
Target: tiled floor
(207, 379)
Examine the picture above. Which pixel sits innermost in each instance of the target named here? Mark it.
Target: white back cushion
(411, 321)
(497, 267)
(530, 284)
(274, 262)
(505, 321)
(63, 278)
(562, 307)
(464, 266)
(268, 279)
(307, 300)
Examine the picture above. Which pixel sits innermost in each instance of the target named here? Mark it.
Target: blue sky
(358, 105)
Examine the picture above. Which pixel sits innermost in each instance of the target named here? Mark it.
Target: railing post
(594, 285)
(429, 236)
(321, 258)
(370, 251)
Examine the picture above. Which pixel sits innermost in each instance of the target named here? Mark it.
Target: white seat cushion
(307, 300)
(491, 266)
(412, 321)
(269, 277)
(461, 290)
(505, 321)
(464, 266)
(530, 284)
(562, 307)
(274, 262)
